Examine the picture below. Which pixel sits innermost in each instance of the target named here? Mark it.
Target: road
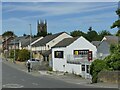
(13, 78)
(0, 74)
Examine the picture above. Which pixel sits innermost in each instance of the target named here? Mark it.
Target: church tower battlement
(41, 26)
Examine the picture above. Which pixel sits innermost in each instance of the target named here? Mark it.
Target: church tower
(41, 26)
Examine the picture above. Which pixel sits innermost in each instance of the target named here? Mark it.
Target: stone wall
(109, 77)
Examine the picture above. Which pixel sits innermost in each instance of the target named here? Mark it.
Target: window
(87, 66)
(82, 53)
(83, 67)
(58, 54)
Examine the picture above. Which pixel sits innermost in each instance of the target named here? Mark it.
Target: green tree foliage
(104, 33)
(92, 35)
(118, 12)
(8, 34)
(16, 54)
(23, 55)
(95, 68)
(77, 33)
(116, 24)
(111, 62)
(118, 33)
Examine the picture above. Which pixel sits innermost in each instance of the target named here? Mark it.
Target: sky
(60, 16)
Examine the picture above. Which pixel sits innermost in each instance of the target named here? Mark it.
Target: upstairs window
(82, 53)
(59, 54)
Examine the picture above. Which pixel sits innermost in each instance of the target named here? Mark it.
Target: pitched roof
(47, 39)
(27, 42)
(65, 42)
(112, 39)
(96, 43)
(17, 39)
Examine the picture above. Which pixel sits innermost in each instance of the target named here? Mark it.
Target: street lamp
(30, 42)
(14, 51)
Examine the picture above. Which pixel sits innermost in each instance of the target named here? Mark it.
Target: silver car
(34, 63)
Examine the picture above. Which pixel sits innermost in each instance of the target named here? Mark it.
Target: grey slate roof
(112, 39)
(27, 42)
(17, 39)
(46, 39)
(96, 43)
(65, 42)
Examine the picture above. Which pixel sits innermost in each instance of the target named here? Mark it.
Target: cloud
(57, 9)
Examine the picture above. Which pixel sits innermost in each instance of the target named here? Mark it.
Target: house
(103, 48)
(44, 45)
(73, 55)
(17, 42)
(96, 43)
(26, 44)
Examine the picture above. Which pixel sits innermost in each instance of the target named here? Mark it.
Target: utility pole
(6, 48)
(14, 51)
(30, 42)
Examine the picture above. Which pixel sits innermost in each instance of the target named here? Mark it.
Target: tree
(7, 34)
(23, 55)
(103, 33)
(16, 54)
(92, 35)
(118, 12)
(117, 23)
(76, 33)
(96, 67)
(113, 60)
(118, 33)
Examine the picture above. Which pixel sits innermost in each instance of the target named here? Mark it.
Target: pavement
(70, 78)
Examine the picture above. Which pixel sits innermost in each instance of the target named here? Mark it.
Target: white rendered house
(72, 55)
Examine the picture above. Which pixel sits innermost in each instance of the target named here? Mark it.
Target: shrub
(96, 67)
(12, 54)
(23, 55)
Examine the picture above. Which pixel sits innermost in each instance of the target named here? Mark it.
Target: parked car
(35, 63)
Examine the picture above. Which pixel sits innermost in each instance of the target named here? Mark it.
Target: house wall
(79, 44)
(56, 40)
(58, 62)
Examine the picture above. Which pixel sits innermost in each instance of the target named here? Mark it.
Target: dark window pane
(83, 67)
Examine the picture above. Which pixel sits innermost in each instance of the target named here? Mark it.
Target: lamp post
(14, 51)
(30, 42)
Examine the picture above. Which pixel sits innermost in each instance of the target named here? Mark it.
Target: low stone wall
(109, 76)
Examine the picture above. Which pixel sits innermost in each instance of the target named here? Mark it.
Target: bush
(96, 67)
(23, 55)
(12, 54)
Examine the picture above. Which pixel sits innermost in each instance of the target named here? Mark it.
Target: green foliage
(92, 35)
(12, 54)
(23, 55)
(103, 33)
(118, 33)
(96, 67)
(116, 24)
(112, 48)
(77, 33)
(113, 61)
(41, 34)
(118, 12)
(7, 34)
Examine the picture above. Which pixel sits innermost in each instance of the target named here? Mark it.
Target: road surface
(13, 78)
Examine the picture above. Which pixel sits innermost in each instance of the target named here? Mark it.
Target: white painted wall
(80, 44)
(56, 40)
(58, 62)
